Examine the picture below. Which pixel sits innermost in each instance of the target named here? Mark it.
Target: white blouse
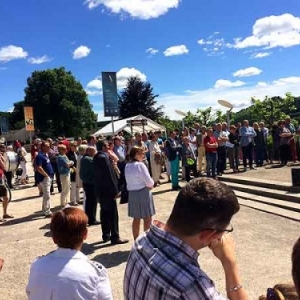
(137, 176)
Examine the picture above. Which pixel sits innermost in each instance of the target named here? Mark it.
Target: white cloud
(11, 52)
(213, 45)
(222, 83)
(239, 96)
(139, 9)
(39, 60)
(176, 50)
(81, 51)
(252, 71)
(271, 32)
(94, 87)
(261, 54)
(152, 51)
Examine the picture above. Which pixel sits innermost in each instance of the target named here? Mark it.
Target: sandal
(8, 216)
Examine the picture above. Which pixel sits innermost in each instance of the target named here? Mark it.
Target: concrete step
(291, 215)
(291, 206)
(265, 192)
(260, 182)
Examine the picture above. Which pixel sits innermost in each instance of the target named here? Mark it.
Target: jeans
(46, 184)
(188, 170)
(211, 160)
(233, 155)
(248, 154)
(174, 171)
(57, 178)
(221, 162)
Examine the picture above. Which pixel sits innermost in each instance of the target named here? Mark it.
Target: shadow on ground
(28, 218)
(110, 260)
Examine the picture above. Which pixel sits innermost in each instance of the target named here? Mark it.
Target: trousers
(174, 171)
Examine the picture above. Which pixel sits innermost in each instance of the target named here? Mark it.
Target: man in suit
(173, 150)
(106, 190)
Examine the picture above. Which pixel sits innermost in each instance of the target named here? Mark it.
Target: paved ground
(264, 243)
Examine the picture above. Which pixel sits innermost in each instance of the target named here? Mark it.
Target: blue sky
(194, 52)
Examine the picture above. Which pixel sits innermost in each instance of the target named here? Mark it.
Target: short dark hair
(203, 203)
(68, 227)
(296, 265)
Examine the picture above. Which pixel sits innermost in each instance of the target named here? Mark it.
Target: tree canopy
(138, 98)
(59, 101)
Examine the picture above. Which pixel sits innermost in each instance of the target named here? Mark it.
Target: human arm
(223, 249)
(2, 162)
(146, 176)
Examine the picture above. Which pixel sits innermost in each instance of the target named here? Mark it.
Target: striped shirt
(162, 267)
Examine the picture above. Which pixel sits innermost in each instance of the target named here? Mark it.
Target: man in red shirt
(211, 145)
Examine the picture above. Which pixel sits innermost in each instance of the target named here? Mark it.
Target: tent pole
(112, 125)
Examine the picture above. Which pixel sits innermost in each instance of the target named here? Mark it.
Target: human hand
(224, 249)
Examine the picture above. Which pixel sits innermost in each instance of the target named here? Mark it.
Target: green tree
(138, 98)
(60, 103)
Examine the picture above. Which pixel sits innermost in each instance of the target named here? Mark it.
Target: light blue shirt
(67, 274)
(120, 152)
(247, 134)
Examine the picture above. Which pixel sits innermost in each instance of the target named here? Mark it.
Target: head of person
(120, 133)
(209, 132)
(245, 123)
(69, 228)
(224, 126)
(218, 126)
(103, 145)
(281, 291)
(172, 134)
(287, 120)
(203, 129)
(255, 125)
(186, 140)
(84, 142)
(232, 129)
(144, 137)
(82, 149)
(197, 126)
(202, 212)
(45, 146)
(136, 154)
(22, 143)
(90, 151)
(138, 137)
(79, 141)
(117, 140)
(281, 124)
(111, 145)
(50, 141)
(238, 125)
(192, 131)
(62, 149)
(91, 139)
(73, 146)
(153, 137)
(261, 125)
(296, 265)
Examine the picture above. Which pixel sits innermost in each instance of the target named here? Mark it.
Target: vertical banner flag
(4, 126)
(29, 121)
(110, 94)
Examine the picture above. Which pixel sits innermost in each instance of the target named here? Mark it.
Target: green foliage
(269, 110)
(60, 104)
(138, 98)
(169, 124)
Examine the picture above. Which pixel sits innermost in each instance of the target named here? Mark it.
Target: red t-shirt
(210, 140)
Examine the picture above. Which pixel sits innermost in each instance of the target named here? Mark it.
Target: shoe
(95, 223)
(220, 174)
(119, 241)
(7, 216)
(176, 188)
(106, 240)
(252, 168)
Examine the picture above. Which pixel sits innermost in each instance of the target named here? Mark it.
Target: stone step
(291, 206)
(265, 192)
(291, 215)
(260, 182)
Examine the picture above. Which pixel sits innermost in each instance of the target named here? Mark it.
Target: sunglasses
(219, 230)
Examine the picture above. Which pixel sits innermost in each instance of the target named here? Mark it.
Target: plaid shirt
(163, 267)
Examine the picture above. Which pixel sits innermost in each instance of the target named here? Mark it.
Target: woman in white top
(155, 152)
(139, 184)
(22, 159)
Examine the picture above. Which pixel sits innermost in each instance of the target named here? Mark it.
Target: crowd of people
(163, 263)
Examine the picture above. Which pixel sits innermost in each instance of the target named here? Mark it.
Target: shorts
(3, 191)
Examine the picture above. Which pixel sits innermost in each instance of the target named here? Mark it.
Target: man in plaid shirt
(163, 263)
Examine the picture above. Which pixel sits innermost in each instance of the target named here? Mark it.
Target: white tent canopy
(120, 125)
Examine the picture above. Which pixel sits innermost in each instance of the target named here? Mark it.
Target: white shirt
(137, 176)
(193, 139)
(153, 148)
(67, 274)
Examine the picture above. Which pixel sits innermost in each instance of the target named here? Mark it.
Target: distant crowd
(163, 262)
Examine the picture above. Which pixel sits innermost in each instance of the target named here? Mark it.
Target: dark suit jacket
(106, 182)
(173, 147)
